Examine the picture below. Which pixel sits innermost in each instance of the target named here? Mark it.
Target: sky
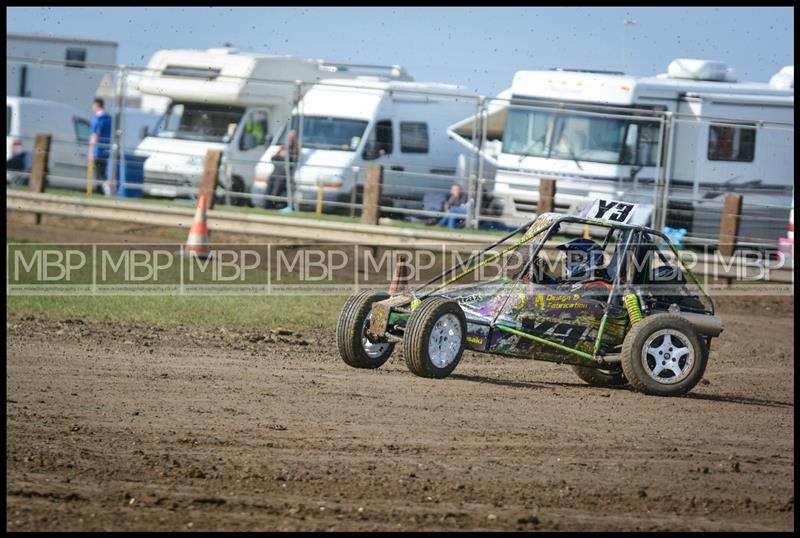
(480, 48)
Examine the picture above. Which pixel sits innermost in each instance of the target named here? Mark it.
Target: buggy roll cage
(548, 231)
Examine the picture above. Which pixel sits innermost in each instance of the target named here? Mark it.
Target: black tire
(417, 337)
(350, 332)
(639, 366)
(601, 378)
(237, 187)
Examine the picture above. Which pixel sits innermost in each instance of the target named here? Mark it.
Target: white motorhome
(599, 133)
(225, 100)
(349, 124)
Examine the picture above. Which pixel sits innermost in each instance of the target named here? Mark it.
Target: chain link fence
(678, 166)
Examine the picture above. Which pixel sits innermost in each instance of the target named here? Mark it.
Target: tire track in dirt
(131, 427)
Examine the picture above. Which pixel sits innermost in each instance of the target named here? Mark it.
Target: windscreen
(321, 132)
(199, 121)
(573, 135)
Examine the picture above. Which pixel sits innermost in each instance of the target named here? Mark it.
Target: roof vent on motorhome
(783, 79)
(700, 70)
(223, 50)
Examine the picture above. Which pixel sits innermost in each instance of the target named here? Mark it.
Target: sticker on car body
(610, 211)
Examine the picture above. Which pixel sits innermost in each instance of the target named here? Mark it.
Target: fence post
(291, 170)
(208, 182)
(373, 181)
(36, 181)
(729, 225)
(547, 195)
(113, 153)
(483, 115)
(402, 266)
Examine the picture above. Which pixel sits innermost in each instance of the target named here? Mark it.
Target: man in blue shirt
(99, 143)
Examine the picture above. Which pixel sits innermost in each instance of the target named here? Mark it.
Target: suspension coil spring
(632, 306)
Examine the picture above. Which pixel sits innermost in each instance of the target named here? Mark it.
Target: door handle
(397, 168)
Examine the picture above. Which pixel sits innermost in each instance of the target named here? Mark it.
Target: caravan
(600, 134)
(347, 125)
(225, 100)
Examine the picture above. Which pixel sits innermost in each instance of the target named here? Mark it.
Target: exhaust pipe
(705, 324)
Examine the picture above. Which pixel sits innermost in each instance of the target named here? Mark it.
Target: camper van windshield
(580, 137)
(321, 132)
(198, 121)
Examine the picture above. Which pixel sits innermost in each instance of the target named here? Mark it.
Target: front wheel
(664, 355)
(237, 190)
(434, 339)
(355, 347)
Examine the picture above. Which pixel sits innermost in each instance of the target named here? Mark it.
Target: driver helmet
(583, 255)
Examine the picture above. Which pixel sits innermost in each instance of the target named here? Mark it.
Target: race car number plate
(610, 211)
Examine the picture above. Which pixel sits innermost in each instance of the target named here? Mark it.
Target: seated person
(583, 263)
(584, 260)
(455, 207)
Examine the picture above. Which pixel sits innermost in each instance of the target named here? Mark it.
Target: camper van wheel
(237, 187)
(664, 355)
(355, 348)
(434, 338)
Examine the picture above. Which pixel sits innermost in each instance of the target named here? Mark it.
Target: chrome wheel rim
(372, 349)
(667, 357)
(445, 341)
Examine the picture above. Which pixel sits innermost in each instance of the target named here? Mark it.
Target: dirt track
(130, 427)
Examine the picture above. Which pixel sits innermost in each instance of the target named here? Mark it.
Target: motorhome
(347, 125)
(695, 129)
(225, 100)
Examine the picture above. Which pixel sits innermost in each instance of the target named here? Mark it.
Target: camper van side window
(729, 143)
(413, 137)
(76, 58)
(380, 141)
(254, 131)
(82, 130)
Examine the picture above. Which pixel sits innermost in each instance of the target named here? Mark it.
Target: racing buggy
(621, 312)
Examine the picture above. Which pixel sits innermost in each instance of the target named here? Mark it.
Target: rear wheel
(601, 378)
(664, 355)
(434, 339)
(355, 348)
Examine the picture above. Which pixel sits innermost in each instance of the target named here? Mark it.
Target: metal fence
(498, 165)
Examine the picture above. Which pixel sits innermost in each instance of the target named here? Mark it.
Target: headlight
(333, 182)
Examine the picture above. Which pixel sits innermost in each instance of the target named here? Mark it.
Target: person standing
(99, 143)
(278, 179)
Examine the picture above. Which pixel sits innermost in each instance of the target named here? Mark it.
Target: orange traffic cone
(197, 243)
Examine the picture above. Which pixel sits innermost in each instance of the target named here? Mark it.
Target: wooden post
(208, 182)
(41, 156)
(320, 197)
(372, 194)
(729, 225)
(547, 195)
(400, 274)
